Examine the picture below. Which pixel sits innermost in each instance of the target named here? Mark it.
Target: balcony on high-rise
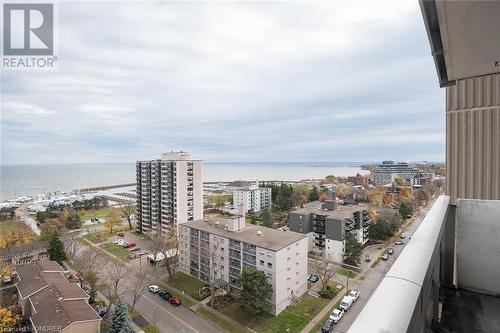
(447, 277)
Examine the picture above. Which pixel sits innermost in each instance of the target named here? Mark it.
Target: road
(168, 319)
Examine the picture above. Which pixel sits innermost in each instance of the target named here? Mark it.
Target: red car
(174, 301)
(129, 245)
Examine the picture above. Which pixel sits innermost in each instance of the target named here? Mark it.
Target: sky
(229, 81)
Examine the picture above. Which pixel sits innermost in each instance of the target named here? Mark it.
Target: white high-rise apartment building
(218, 250)
(253, 198)
(169, 191)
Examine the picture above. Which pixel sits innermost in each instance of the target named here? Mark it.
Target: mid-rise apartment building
(326, 225)
(169, 191)
(387, 171)
(253, 198)
(220, 249)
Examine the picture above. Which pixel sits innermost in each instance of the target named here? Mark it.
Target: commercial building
(51, 302)
(218, 250)
(387, 171)
(253, 198)
(169, 192)
(446, 277)
(358, 179)
(326, 224)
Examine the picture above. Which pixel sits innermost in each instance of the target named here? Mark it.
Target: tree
(155, 245)
(116, 272)
(323, 197)
(127, 211)
(344, 190)
(255, 291)
(91, 278)
(381, 229)
(56, 248)
(325, 267)
(84, 263)
(112, 220)
(138, 288)
(170, 249)
(399, 181)
(267, 219)
(353, 250)
(405, 209)
(71, 219)
(313, 194)
(330, 180)
(120, 321)
(72, 247)
(5, 270)
(375, 196)
(8, 320)
(219, 201)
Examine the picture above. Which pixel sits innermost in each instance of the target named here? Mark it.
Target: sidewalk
(325, 310)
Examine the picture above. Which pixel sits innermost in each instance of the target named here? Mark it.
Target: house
(51, 302)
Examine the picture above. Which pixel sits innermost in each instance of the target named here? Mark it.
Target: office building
(326, 224)
(253, 198)
(169, 192)
(220, 249)
(386, 172)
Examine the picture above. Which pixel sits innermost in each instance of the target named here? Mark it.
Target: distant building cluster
(386, 172)
(326, 224)
(253, 198)
(169, 192)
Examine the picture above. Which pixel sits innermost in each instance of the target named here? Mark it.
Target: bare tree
(170, 250)
(84, 263)
(138, 288)
(325, 267)
(116, 272)
(72, 246)
(127, 210)
(155, 245)
(214, 275)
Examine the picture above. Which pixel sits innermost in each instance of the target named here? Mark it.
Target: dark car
(174, 301)
(327, 326)
(165, 295)
(101, 311)
(314, 278)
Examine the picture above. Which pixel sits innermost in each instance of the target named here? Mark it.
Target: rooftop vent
(259, 233)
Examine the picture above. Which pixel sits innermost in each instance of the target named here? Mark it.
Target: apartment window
(288, 278)
(297, 263)
(288, 248)
(297, 254)
(262, 262)
(222, 258)
(269, 255)
(288, 269)
(222, 249)
(262, 253)
(222, 267)
(296, 273)
(288, 288)
(288, 258)
(269, 265)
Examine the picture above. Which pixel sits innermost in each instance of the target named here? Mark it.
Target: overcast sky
(285, 81)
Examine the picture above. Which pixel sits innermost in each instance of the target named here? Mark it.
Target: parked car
(6, 279)
(390, 251)
(165, 295)
(143, 252)
(354, 294)
(313, 278)
(120, 242)
(135, 248)
(327, 326)
(120, 234)
(346, 303)
(154, 288)
(174, 301)
(129, 245)
(402, 236)
(385, 257)
(101, 311)
(399, 242)
(367, 258)
(336, 315)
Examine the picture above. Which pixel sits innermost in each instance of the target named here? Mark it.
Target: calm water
(27, 180)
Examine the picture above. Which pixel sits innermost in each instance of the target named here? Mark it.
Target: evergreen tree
(353, 250)
(405, 209)
(56, 247)
(120, 321)
(313, 194)
(255, 291)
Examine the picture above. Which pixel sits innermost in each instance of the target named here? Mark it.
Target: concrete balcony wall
(473, 138)
(478, 245)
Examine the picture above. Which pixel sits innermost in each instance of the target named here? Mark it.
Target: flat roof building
(386, 172)
(219, 249)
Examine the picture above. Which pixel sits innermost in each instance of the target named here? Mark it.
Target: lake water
(28, 180)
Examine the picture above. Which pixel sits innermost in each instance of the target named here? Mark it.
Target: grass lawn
(318, 326)
(8, 224)
(102, 236)
(185, 301)
(188, 284)
(294, 318)
(219, 321)
(133, 313)
(100, 213)
(346, 272)
(117, 250)
(150, 329)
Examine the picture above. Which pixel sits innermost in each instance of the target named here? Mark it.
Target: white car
(354, 294)
(346, 303)
(120, 242)
(336, 315)
(154, 288)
